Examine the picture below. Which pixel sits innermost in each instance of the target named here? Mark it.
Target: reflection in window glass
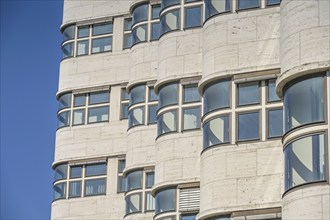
(168, 95)
(155, 11)
(134, 180)
(304, 103)
(167, 122)
(275, 123)
(137, 94)
(136, 116)
(67, 50)
(68, 33)
(304, 161)
(216, 131)
(98, 114)
(82, 47)
(64, 101)
(75, 189)
(96, 169)
(273, 2)
(245, 4)
(75, 171)
(101, 44)
(248, 93)
(79, 100)
(272, 96)
(191, 118)
(150, 179)
(61, 172)
(139, 34)
(133, 203)
(170, 21)
(248, 126)
(105, 28)
(193, 17)
(155, 31)
(213, 7)
(95, 187)
(166, 3)
(191, 94)
(79, 117)
(98, 97)
(127, 40)
(216, 96)
(165, 201)
(127, 24)
(63, 119)
(83, 31)
(140, 13)
(150, 202)
(152, 118)
(59, 190)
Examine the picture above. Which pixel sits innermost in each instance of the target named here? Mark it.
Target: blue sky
(30, 57)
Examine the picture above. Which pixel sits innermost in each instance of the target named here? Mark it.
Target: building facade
(191, 109)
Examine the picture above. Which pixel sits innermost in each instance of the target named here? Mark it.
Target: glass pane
(83, 31)
(272, 96)
(155, 31)
(127, 40)
(121, 165)
(68, 33)
(213, 7)
(75, 171)
(140, 13)
(134, 180)
(133, 203)
(188, 217)
(273, 2)
(127, 24)
(216, 131)
(139, 34)
(191, 94)
(193, 17)
(275, 123)
(121, 184)
(150, 179)
(63, 119)
(67, 50)
(304, 103)
(152, 95)
(216, 96)
(79, 117)
(59, 191)
(98, 114)
(191, 118)
(248, 93)
(124, 111)
(152, 118)
(95, 187)
(248, 126)
(60, 172)
(124, 94)
(168, 95)
(136, 117)
(98, 97)
(155, 11)
(105, 28)
(245, 4)
(167, 122)
(82, 47)
(101, 44)
(137, 94)
(304, 161)
(150, 202)
(170, 21)
(75, 189)
(79, 100)
(64, 101)
(165, 201)
(96, 169)
(166, 3)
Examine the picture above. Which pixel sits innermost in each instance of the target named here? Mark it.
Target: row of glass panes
(95, 104)
(80, 177)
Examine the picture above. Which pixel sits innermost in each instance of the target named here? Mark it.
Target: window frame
(259, 125)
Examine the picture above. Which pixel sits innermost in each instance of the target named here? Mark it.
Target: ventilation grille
(189, 199)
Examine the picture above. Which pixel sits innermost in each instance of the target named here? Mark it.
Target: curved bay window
(304, 161)
(216, 96)
(168, 95)
(134, 180)
(68, 43)
(167, 122)
(216, 131)
(170, 21)
(167, 3)
(214, 7)
(165, 201)
(304, 103)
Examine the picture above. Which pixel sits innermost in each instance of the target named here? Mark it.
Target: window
(155, 9)
(191, 118)
(150, 202)
(248, 126)
(150, 179)
(193, 17)
(152, 118)
(167, 3)
(188, 217)
(304, 103)
(137, 94)
(170, 21)
(75, 189)
(133, 203)
(121, 179)
(83, 31)
(59, 191)
(214, 7)
(136, 117)
(167, 122)
(99, 114)
(275, 123)
(139, 34)
(100, 29)
(304, 161)
(82, 47)
(68, 33)
(248, 93)
(168, 95)
(95, 187)
(124, 104)
(216, 96)
(190, 94)
(127, 33)
(63, 119)
(101, 45)
(134, 180)
(216, 131)
(68, 44)
(155, 31)
(165, 201)
(246, 4)
(272, 96)
(140, 13)
(67, 50)
(96, 169)
(273, 2)
(61, 172)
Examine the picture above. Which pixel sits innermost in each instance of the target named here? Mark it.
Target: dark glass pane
(150, 179)
(245, 4)
(137, 94)
(133, 203)
(124, 111)
(248, 126)
(98, 97)
(96, 169)
(140, 13)
(155, 31)
(64, 101)
(170, 21)
(248, 93)
(275, 123)
(127, 40)
(273, 2)
(78, 117)
(168, 95)
(60, 172)
(272, 96)
(127, 24)
(75, 171)
(193, 17)
(124, 94)
(59, 191)
(139, 34)
(165, 201)
(155, 11)
(152, 95)
(82, 47)
(68, 33)
(213, 7)
(94, 187)
(191, 118)
(121, 165)
(216, 96)
(101, 44)
(75, 189)
(67, 50)
(188, 217)
(150, 202)
(98, 114)
(63, 119)
(105, 28)
(83, 31)
(136, 117)
(216, 131)
(167, 122)
(121, 184)
(152, 114)
(134, 180)
(166, 3)
(79, 100)
(191, 94)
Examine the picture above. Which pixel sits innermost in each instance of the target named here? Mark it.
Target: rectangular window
(152, 118)
(273, 2)
(191, 118)
(95, 187)
(127, 40)
(216, 131)
(83, 31)
(63, 119)
(193, 17)
(105, 28)
(59, 191)
(167, 122)
(133, 203)
(101, 44)
(155, 31)
(150, 202)
(79, 100)
(272, 96)
(191, 94)
(136, 116)
(98, 114)
(98, 97)
(155, 9)
(121, 179)
(79, 117)
(96, 169)
(275, 123)
(75, 189)
(127, 24)
(75, 171)
(152, 95)
(150, 178)
(248, 93)
(82, 47)
(246, 4)
(248, 126)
